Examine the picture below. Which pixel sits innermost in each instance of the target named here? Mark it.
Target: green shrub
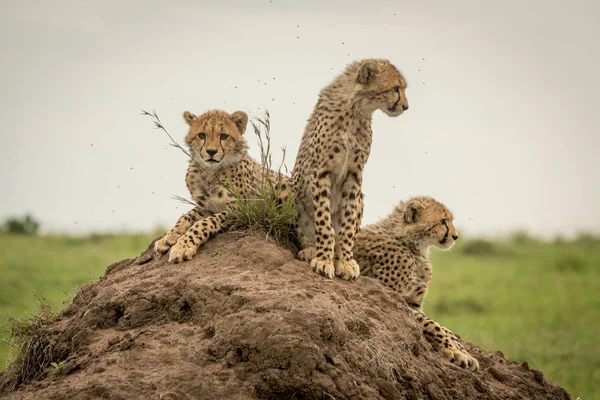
(569, 263)
(522, 237)
(479, 247)
(26, 225)
(587, 239)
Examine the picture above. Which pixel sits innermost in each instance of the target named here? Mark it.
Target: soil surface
(245, 320)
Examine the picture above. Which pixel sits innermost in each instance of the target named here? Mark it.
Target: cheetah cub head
(215, 137)
(427, 222)
(379, 86)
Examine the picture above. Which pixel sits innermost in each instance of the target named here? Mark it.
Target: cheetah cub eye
(202, 136)
(224, 136)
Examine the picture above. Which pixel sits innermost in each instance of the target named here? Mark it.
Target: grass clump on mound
(268, 213)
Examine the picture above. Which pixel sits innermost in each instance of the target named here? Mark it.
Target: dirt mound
(245, 320)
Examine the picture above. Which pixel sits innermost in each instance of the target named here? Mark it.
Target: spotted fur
(327, 176)
(219, 172)
(395, 251)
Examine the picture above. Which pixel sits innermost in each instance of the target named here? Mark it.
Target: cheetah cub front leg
(325, 235)
(351, 210)
(187, 245)
(181, 226)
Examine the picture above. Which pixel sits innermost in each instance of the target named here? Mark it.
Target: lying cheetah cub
(220, 170)
(395, 250)
(327, 175)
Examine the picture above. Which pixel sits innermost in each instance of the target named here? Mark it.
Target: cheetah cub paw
(461, 358)
(348, 270)
(307, 254)
(163, 245)
(324, 268)
(182, 251)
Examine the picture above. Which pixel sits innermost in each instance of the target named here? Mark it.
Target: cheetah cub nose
(405, 108)
(455, 237)
(211, 152)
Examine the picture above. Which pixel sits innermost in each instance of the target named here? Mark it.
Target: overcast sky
(503, 125)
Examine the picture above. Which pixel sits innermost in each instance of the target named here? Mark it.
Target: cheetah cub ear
(240, 119)
(367, 73)
(189, 118)
(413, 211)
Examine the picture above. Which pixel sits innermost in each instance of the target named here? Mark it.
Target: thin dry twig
(184, 200)
(158, 125)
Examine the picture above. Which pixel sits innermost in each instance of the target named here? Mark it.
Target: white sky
(503, 124)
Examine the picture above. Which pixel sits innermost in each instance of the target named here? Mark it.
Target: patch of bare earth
(245, 320)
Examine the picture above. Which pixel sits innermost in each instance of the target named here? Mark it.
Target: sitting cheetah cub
(219, 171)
(327, 175)
(395, 250)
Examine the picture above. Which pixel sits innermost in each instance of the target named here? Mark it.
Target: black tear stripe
(446, 234)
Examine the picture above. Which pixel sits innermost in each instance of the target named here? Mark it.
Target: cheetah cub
(220, 170)
(327, 175)
(395, 250)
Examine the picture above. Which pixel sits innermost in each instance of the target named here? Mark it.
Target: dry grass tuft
(267, 213)
(30, 336)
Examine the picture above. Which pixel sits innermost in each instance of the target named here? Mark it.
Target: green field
(535, 302)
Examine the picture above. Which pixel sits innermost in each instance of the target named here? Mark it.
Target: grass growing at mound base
(33, 351)
(52, 268)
